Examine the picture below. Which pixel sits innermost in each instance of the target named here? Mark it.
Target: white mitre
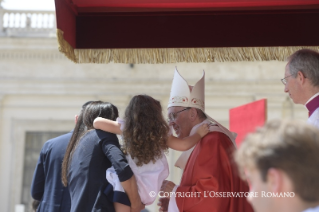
(184, 95)
(187, 96)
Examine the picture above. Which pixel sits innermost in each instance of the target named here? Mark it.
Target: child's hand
(203, 130)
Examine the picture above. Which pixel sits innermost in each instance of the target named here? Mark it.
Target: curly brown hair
(146, 132)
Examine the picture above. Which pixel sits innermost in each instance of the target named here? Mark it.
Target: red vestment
(210, 168)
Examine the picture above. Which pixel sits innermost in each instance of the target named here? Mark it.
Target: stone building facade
(41, 91)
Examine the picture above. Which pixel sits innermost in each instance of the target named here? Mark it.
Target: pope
(208, 166)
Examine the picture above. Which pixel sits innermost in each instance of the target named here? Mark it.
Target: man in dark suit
(46, 185)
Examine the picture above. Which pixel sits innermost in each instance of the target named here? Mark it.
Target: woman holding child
(89, 154)
(146, 138)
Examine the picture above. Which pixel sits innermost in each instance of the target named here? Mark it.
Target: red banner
(246, 118)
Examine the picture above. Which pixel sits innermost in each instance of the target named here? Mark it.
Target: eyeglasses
(173, 116)
(284, 81)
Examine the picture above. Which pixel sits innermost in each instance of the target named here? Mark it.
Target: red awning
(187, 5)
(191, 30)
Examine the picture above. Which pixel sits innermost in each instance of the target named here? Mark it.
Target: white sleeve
(121, 122)
(172, 206)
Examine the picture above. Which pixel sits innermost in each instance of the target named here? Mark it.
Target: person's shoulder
(215, 135)
(54, 141)
(103, 134)
(61, 137)
(216, 138)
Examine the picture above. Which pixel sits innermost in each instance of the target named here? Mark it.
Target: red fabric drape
(66, 21)
(188, 23)
(164, 5)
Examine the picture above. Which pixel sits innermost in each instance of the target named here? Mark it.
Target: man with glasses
(302, 81)
(207, 167)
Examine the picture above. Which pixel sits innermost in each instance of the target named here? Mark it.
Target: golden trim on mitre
(178, 99)
(198, 102)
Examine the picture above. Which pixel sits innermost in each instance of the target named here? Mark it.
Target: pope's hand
(163, 203)
(167, 186)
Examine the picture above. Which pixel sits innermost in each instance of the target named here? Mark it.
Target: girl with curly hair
(146, 138)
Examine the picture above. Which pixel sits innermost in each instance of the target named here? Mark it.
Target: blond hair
(290, 146)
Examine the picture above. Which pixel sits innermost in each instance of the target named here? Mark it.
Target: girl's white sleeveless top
(149, 177)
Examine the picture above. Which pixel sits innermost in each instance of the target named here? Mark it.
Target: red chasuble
(210, 171)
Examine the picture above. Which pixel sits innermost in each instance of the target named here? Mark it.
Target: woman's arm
(123, 170)
(107, 125)
(187, 142)
(130, 188)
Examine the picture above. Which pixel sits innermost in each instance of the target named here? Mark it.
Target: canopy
(166, 31)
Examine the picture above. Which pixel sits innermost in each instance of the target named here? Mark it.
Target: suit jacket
(210, 170)
(95, 153)
(47, 185)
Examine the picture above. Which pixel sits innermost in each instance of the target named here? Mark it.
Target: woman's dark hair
(146, 132)
(88, 113)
